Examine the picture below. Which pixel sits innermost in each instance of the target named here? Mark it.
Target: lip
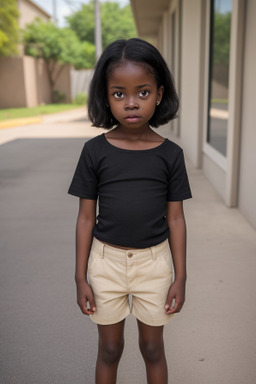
(132, 118)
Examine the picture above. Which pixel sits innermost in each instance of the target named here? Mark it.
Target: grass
(17, 113)
(219, 101)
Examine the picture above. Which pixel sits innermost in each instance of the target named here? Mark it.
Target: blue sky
(66, 7)
(223, 6)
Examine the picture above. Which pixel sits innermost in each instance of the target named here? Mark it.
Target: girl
(140, 181)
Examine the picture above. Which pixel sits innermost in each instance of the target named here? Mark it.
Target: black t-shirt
(133, 187)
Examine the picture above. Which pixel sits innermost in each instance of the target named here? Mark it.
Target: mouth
(132, 118)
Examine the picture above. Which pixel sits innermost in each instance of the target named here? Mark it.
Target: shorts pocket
(166, 258)
(92, 261)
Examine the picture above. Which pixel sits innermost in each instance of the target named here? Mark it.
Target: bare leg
(152, 349)
(110, 349)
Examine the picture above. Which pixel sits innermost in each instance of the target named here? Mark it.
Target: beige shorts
(130, 281)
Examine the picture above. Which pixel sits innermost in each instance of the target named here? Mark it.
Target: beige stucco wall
(188, 72)
(216, 175)
(29, 65)
(24, 82)
(12, 84)
(43, 86)
(191, 76)
(29, 11)
(247, 179)
(63, 83)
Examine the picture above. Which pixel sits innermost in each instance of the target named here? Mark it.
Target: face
(133, 94)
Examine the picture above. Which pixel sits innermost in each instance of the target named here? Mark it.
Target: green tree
(9, 28)
(57, 47)
(221, 47)
(116, 22)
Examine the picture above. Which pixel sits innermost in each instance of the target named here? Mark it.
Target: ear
(160, 93)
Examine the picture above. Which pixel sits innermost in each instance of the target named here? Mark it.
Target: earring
(158, 102)
(107, 105)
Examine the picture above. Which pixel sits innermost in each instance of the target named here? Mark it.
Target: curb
(18, 122)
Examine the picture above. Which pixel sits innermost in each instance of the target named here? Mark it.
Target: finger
(84, 308)
(175, 308)
(169, 302)
(92, 306)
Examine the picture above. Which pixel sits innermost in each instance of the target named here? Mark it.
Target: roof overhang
(148, 15)
(38, 8)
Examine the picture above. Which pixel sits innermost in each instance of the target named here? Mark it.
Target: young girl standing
(140, 181)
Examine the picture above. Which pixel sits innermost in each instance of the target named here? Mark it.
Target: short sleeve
(84, 183)
(178, 186)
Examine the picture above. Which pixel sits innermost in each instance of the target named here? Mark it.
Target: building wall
(186, 67)
(190, 125)
(13, 91)
(29, 11)
(24, 82)
(63, 82)
(247, 179)
(231, 172)
(43, 85)
(30, 74)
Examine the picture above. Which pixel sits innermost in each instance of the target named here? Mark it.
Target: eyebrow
(139, 86)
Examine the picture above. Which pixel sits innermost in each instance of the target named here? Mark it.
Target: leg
(152, 349)
(110, 349)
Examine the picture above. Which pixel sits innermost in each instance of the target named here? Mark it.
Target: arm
(85, 222)
(177, 240)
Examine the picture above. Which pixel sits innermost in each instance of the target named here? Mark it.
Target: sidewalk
(51, 117)
(46, 339)
(55, 125)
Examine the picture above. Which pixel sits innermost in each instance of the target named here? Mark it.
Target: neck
(136, 134)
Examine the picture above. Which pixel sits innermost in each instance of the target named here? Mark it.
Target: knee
(111, 352)
(152, 352)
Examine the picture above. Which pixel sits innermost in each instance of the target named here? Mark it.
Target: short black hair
(140, 52)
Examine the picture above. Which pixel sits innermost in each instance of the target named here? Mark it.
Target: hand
(177, 294)
(84, 295)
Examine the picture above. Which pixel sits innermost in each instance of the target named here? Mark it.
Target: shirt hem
(180, 198)
(81, 195)
(136, 245)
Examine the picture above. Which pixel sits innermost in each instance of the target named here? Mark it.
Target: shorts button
(129, 254)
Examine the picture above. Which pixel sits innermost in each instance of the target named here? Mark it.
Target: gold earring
(158, 102)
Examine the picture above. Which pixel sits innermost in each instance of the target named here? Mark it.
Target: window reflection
(219, 73)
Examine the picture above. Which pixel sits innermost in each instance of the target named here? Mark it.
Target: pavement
(10, 123)
(44, 337)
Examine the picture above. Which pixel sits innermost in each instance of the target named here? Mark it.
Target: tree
(221, 47)
(9, 28)
(222, 25)
(116, 22)
(57, 47)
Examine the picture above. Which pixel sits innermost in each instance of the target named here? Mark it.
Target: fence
(80, 80)
(24, 82)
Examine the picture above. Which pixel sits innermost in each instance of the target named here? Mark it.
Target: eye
(143, 93)
(118, 95)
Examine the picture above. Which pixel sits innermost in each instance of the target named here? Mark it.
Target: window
(220, 26)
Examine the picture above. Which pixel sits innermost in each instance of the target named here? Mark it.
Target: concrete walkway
(45, 339)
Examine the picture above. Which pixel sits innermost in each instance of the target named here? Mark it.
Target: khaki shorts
(130, 281)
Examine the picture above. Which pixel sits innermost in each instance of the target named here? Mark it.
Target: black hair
(143, 53)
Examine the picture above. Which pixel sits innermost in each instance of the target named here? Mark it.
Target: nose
(131, 103)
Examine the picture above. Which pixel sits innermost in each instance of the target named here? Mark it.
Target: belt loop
(153, 251)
